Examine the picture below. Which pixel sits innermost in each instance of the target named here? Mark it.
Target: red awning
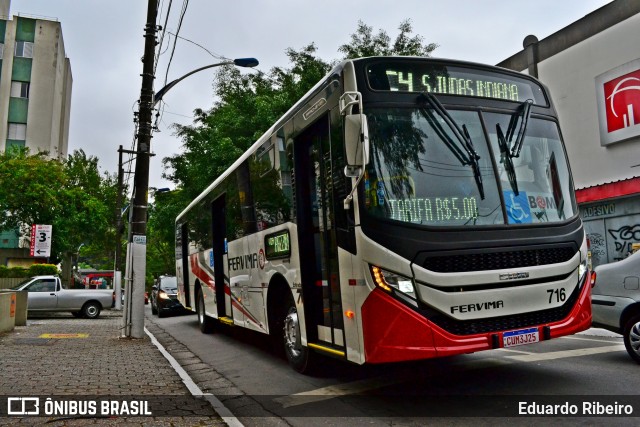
(609, 190)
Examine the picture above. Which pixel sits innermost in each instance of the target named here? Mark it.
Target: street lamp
(133, 318)
(239, 62)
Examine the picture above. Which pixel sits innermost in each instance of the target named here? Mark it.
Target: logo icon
(23, 406)
(622, 97)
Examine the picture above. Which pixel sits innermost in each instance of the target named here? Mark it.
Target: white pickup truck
(47, 294)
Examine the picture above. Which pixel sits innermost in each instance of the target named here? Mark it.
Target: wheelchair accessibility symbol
(518, 210)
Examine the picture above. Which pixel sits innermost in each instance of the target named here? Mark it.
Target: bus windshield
(417, 173)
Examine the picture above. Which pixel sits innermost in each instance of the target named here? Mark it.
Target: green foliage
(248, 105)
(364, 43)
(72, 196)
(29, 189)
(42, 270)
(34, 270)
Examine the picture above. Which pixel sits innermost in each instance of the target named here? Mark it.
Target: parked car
(616, 300)
(164, 296)
(47, 294)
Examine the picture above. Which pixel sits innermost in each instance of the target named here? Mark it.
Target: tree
(72, 196)
(248, 105)
(87, 216)
(29, 185)
(365, 43)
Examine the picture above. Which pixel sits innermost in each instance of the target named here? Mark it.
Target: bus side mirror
(356, 143)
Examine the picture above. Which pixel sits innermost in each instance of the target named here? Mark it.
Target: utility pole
(133, 319)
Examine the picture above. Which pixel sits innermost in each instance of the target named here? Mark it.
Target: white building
(35, 84)
(592, 68)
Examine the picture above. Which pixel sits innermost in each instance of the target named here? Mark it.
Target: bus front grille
(498, 260)
(505, 323)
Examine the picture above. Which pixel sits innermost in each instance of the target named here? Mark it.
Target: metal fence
(8, 282)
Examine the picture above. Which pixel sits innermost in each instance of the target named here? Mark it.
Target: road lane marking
(329, 392)
(510, 350)
(591, 339)
(224, 412)
(537, 357)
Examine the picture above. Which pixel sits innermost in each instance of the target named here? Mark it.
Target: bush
(34, 270)
(42, 270)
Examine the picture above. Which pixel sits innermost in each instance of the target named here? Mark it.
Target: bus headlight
(393, 282)
(582, 270)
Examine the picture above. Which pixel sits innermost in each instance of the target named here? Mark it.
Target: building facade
(592, 68)
(35, 101)
(35, 85)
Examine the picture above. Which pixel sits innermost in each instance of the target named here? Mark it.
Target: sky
(104, 42)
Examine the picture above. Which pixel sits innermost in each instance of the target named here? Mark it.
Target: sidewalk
(81, 364)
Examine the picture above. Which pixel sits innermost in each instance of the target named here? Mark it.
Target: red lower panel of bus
(393, 332)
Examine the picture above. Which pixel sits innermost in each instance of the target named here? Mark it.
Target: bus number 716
(556, 295)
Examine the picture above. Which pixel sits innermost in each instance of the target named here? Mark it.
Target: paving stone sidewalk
(80, 359)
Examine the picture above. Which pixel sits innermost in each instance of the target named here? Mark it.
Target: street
(584, 372)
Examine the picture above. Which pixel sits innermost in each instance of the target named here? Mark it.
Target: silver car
(616, 301)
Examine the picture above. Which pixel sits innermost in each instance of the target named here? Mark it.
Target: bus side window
(271, 184)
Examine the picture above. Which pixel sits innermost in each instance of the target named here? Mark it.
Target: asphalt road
(582, 374)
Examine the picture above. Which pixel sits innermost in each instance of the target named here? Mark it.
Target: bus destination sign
(437, 78)
(278, 245)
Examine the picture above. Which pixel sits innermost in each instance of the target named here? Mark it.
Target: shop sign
(618, 97)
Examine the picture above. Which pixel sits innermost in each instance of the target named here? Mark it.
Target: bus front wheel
(205, 322)
(299, 356)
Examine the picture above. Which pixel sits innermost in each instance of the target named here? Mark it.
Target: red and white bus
(403, 209)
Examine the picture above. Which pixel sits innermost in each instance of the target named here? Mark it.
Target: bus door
(184, 248)
(317, 236)
(218, 233)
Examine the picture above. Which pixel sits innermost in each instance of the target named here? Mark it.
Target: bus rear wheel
(299, 356)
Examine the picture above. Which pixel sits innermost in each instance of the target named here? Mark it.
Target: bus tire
(204, 321)
(631, 335)
(300, 357)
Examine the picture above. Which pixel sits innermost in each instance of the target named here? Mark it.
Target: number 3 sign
(41, 240)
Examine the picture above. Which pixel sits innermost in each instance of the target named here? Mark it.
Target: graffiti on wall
(623, 239)
(598, 245)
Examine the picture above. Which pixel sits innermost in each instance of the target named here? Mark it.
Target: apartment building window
(17, 132)
(19, 89)
(24, 49)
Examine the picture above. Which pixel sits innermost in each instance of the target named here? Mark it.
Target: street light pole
(133, 318)
(240, 62)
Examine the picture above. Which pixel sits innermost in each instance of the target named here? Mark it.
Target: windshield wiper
(509, 151)
(525, 112)
(507, 159)
(464, 149)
